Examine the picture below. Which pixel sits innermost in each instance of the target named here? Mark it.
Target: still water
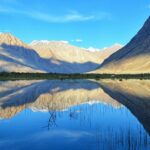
(75, 115)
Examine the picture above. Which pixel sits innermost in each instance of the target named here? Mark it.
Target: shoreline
(4, 76)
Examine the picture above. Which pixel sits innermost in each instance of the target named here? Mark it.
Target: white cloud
(77, 40)
(71, 16)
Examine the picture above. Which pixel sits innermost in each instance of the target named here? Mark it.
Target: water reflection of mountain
(49, 95)
(134, 94)
(107, 128)
(15, 96)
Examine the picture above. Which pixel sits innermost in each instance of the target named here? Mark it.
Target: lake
(75, 115)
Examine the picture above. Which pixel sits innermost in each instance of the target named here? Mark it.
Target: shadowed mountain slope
(49, 57)
(16, 56)
(133, 58)
(55, 95)
(60, 51)
(16, 96)
(134, 94)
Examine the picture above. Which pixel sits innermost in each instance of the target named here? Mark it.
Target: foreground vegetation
(38, 76)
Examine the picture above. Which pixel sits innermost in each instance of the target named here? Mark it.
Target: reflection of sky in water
(96, 126)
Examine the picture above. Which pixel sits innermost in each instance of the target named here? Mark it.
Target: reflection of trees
(51, 120)
(113, 138)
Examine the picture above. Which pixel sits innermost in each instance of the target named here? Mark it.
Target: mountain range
(61, 57)
(48, 56)
(56, 96)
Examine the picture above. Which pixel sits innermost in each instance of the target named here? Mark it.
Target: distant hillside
(61, 51)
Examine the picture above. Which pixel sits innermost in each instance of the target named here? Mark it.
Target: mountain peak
(146, 27)
(147, 22)
(9, 39)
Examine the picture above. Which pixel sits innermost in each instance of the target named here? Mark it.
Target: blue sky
(86, 23)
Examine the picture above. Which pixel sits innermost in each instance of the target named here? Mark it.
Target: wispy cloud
(77, 40)
(71, 16)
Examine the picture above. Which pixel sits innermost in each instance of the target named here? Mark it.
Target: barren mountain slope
(58, 50)
(133, 58)
(16, 56)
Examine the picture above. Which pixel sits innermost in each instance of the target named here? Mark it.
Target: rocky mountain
(133, 58)
(46, 56)
(62, 51)
(108, 51)
(16, 56)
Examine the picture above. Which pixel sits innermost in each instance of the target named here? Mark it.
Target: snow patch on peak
(114, 46)
(65, 42)
(37, 42)
(92, 49)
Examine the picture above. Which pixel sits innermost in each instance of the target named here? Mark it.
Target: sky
(85, 23)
